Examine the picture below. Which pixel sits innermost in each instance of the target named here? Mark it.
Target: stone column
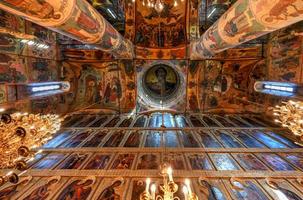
(246, 20)
(76, 19)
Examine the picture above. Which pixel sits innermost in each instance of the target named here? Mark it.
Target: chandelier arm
(158, 197)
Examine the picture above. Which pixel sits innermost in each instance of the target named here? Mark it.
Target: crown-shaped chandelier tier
(290, 115)
(21, 133)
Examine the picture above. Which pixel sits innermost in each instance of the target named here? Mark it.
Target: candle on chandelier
(153, 191)
(185, 191)
(147, 184)
(170, 174)
(187, 183)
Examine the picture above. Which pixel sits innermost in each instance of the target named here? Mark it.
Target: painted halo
(150, 81)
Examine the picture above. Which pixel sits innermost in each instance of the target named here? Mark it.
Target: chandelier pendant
(290, 115)
(21, 134)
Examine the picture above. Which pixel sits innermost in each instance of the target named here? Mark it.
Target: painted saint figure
(36, 8)
(110, 193)
(77, 190)
(43, 191)
(283, 192)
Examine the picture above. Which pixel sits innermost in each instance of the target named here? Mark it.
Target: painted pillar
(76, 19)
(244, 21)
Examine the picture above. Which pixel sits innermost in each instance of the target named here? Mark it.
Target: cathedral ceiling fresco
(161, 30)
(98, 81)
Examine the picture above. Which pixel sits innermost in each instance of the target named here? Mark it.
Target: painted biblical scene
(49, 161)
(43, 36)
(128, 80)
(44, 188)
(98, 85)
(188, 140)
(9, 43)
(199, 162)
(246, 189)
(78, 189)
(13, 191)
(278, 188)
(175, 160)
(225, 86)
(194, 68)
(161, 81)
(151, 53)
(98, 161)
(149, 161)
(223, 161)
(134, 139)
(285, 59)
(211, 189)
(123, 161)
(42, 70)
(115, 139)
(160, 29)
(76, 140)
(74, 161)
(111, 188)
(275, 162)
(13, 69)
(250, 162)
(294, 158)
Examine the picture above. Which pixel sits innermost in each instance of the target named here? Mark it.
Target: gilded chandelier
(158, 5)
(169, 188)
(290, 115)
(20, 134)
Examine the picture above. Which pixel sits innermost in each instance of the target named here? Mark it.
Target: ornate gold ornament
(21, 133)
(290, 115)
(169, 187)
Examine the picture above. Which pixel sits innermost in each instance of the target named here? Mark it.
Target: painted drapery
(76, 19)
(244, 21)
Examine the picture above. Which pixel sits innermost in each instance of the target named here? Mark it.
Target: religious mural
(99, 161)
(123, 161)
(112, 189)
(160, 30)
(161, 81)
(281, 189)
(285, 55)
(149, 161)
(173, 75)
(8, 42)
(247, 190)
(13, 190)
(44, 188)
(13, 69)
(199, 162)
(134, 139)
(73, 162)
(49, 161)
(77, 189)
(224, 86)
(128, 80)
(211, 189)
(99, 85)
(48, 37)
